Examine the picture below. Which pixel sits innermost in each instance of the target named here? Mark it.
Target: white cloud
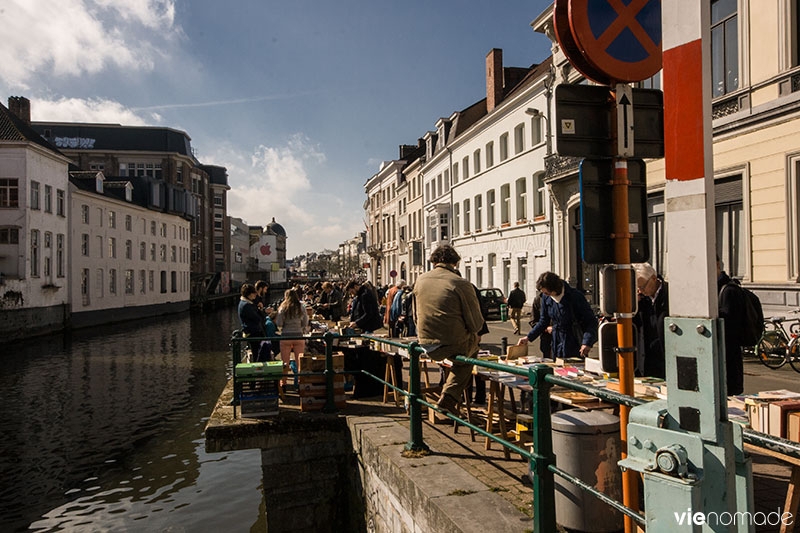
(77, 37)
(278, 181)
(89, 110)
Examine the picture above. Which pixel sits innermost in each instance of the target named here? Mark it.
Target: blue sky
(300, 99)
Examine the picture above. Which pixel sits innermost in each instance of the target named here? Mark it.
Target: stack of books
(775, 413)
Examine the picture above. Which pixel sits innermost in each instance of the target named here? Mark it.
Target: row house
(483, 187)
(352, 256)
(165, 155)
(755, 56)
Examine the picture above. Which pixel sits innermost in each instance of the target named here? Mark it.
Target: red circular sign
(621, 41)
(393, 274)
(570, 48)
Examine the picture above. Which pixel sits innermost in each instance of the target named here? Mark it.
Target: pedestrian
(262, 296)
(387, 315)
(732, 310)
(516, 299)
(405, 325)
(331, 301)
(649, 320)
(448, 321)
(293, 320)
(250, 318)
(364, 312)
(566, 315)
(545, 339)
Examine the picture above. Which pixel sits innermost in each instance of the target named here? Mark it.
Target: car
(491, 299)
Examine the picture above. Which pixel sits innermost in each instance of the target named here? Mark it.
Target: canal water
(102, 430)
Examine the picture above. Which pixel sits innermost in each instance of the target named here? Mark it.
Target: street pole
(622, 260)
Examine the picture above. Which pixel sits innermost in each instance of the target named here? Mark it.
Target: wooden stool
(496, 400)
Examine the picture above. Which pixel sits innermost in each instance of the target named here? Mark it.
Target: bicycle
(778, 346)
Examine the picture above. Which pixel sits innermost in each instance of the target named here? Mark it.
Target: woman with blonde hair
(293, 320)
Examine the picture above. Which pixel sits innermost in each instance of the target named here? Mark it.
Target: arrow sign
(624, 98)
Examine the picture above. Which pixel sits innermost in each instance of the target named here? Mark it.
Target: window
(519, 138)
(478, 276)
(163, 253)
(48, 254)
(439, 188)
(455, 173)
(100, 246)
(522, 273)
(428, 192)
(522, 199)
(476, 162)
(217, 220)
(48, 199)
(129, 282)
(444, 225)
(163, 229)
(85, 214)
(433, 227)
(505, 204)
(85, 245)
(151, 281)
(152, 227)
(143, 251)
(466, 216)
(478, 206)
(9, 192)
(163, 282)
(112, 219)
(468, 274)
(128, 223)
(490, 209)
(730, 225)
(100, 217)
(34, 195)
(218, 200)
(538, 200)
(446, 180)
(536, 130)
(492, 265)
(178, 173)
(60, 255)
(655, 222)
(59, 202)
(98, 282)
(142, 281)
(128, 249)
(489, 154)
(112, 281)
(35, 253)
(112, 248)
(724, 47)
(9, 236)
(465, 168)
(152, 251)
(85, 286)
(504, 147)
(173, 256)
(456, 218)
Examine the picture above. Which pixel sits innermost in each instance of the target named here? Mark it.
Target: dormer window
(128, 192)
(429, 147)
(98, 184)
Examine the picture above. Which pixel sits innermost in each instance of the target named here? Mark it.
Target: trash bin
(587, 445)
(503, 312)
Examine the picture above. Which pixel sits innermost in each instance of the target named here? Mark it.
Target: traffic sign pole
(624, 316)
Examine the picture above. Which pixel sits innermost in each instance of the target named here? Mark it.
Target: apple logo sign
(265, 250)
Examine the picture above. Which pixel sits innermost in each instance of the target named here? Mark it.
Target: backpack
(753, 326)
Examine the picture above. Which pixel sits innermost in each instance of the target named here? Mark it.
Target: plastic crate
(259, 407)
(269, 370)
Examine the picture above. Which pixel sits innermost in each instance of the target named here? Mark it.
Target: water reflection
(103, 430)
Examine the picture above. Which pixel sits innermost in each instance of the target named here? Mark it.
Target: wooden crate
(311, 403)
(316, 363)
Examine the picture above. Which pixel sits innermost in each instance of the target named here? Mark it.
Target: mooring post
(415, 442)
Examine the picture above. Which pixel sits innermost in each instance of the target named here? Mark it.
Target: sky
(301, 100)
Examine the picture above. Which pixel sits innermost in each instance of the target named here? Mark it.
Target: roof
(274, 227)
(114, 137)
(12, 128)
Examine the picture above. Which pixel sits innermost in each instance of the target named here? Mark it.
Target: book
(778, 411)
(516, 351)
(793, 426)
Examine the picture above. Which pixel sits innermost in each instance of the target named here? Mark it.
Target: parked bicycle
(779, 345)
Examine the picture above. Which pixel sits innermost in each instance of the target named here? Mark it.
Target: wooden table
(793, 491)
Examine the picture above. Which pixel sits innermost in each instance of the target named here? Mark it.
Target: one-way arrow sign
(624, 98)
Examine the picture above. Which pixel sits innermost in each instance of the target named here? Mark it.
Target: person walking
(649, 319)
(564, 310)
(516, 299)
(448, 321)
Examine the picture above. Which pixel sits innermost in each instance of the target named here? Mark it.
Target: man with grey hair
(649, 319)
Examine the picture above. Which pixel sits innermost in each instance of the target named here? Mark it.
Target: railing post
(236, 353)
(415, 442)
(544, 505)
(330, 402)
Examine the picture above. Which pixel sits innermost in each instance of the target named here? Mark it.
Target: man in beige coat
(448, 321)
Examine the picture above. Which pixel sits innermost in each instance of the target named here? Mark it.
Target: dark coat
(251, 319)
(516, 299)
(545, 339)
(335, 301)
(731, 309)
(365, 311)
(562, 316)
(650, 321)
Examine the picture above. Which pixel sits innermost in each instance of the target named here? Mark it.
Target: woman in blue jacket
(564, 310)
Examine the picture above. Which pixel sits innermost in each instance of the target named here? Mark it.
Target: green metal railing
(540, 378)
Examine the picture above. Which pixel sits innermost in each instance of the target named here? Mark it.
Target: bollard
(415, 442)
(330, 403)
(504, 346)
(544, 502)
(236, 350)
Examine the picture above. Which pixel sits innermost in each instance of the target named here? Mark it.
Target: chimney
(21, 107)
(494, 78)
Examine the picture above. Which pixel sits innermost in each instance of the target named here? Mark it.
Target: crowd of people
(444, 311)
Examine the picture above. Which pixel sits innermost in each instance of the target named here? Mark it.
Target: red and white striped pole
(689, 195)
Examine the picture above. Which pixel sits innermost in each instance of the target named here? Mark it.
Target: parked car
(491, 299)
